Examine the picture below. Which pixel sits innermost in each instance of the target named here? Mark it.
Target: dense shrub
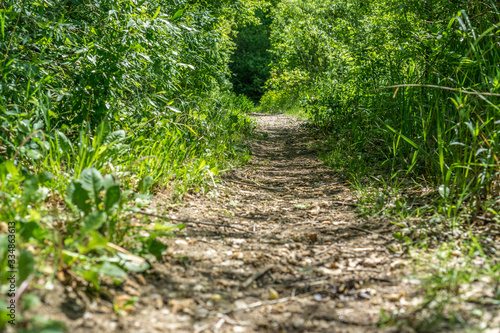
(445, 127)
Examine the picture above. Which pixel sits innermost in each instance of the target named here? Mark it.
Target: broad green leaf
(93, 277)
(144, 184)
(398, 236)
(24, 126)
(92, 181)
(11, 168)
(78, 196)
(114, 137)
(26, 265)
(46, 325)
(30, 301)
(202, 164)
(112, 197)
(33, 154)
(444, 191)
(96, 240)
(63, 142)
(132, 263)
(32, 230)
(45, 176)
(109, 181)
(101, 133)
(93, 221)
(111, 270)
(156, 248)
(30, 187)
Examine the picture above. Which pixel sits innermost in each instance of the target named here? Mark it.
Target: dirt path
(294, 256)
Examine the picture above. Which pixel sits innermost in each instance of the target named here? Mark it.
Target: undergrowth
(406, 96)
(103, 104)
(455, 257)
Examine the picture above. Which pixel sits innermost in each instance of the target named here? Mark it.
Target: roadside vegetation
(406, 98)
(103, 104)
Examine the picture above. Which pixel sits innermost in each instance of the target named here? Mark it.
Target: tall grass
(415, 88)
(102, 105)
(407, 95)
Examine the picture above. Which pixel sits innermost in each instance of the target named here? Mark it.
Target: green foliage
(334, 58)
(250, 61)
(102, 103)
(407, 95)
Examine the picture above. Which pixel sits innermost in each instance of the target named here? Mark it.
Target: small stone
(395, 297)
(317, 297)
(155, 296)
(397, 263)
(159, 303)
(181, 242)
(240, 304)
(364, 295)
(89, 323)
(201, 313)
(198, 288)
(298, 322)
(273, 294)
(238, 255)
(307, 262)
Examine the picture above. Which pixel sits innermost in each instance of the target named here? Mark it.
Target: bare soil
(282, 250)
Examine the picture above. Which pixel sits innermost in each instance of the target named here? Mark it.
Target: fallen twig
(263, 303)
(254, 217)
(362, 269)
(166, 217)
(370, 232)
(219, 324)
(256, 185)
(344, 203)
(480, 218)
(256, 276)
(115, 247)
(347, 322)
(327, 249)
(441, 87)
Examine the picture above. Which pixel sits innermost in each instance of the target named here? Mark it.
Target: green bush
(440, 117)
(103, 103)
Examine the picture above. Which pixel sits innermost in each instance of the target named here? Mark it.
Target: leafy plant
(102, 104)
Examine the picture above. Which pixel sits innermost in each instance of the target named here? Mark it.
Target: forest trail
(294, 257)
